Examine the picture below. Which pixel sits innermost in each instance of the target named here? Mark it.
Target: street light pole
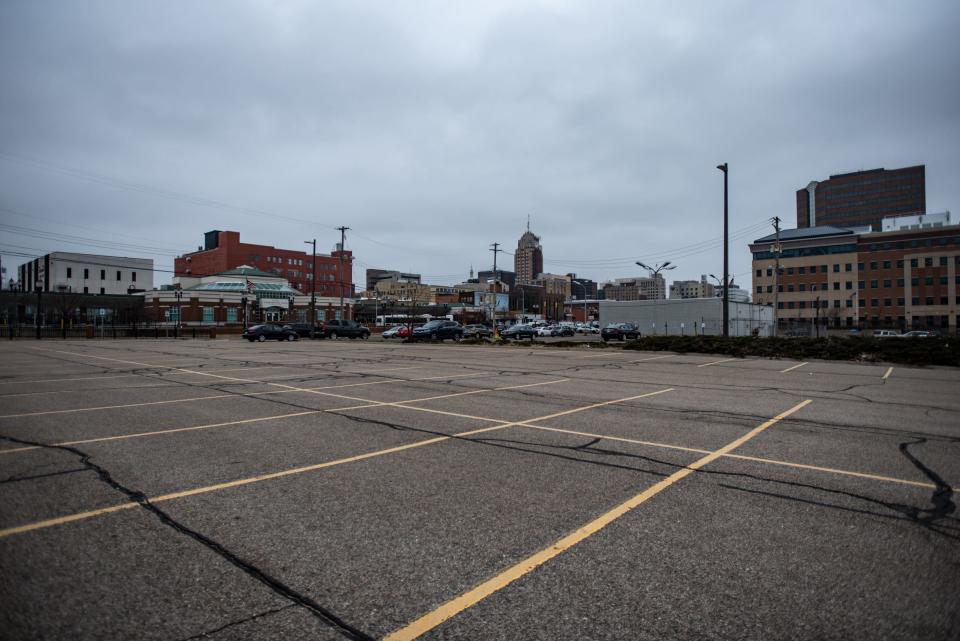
(584, 288)
(313, 283)
(726, 267)
(176, 328)
(655, 272)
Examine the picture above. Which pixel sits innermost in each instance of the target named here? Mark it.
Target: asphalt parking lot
(216, 489)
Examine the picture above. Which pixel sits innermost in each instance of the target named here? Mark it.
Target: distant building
(862, 198)
(506, 277)
(374, 276)
(689, 317)
(692, 288)
(405, 291)
(582, 288)
(903, 278)
(528, 260)
(222, 251)
(555, 284)
(86, 274)
(736, 294)
(922, 221)
(638, 288)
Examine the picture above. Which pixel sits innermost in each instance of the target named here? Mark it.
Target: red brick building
(904, 279)
(862, 198)
(223, 251)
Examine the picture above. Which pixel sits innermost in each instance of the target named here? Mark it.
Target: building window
(823, 269)
(943, 280)
(133, 276)
(943, 300)
(836, 267)
(899, 264)
(943, 261)
(849, 284)
(928, 261)
(860, 267)
(801, 270)
(861, 302)
(103, 275)
(915, 281)
(886, 264)
(86, 274)
(790, 305)
(803, 287)
(861, 284)
(874, 302)
(231, 314)
(789, 288)
(928, 300)
(900, 302)
(759, 289)
(915, 300)
(102, 291)
(913, 262)
(900, 282)
(848, 267)
(849, 303)
(86, 290)
(759, 273)
(873, 264)
(887, 302)
(790, 271)
(836, 285)
(873, 284)
(802, 304)
(836, 304)
(928, 280)
(118, 274)
(769, 289)
(769, 272)
(207, 314)
(887, 282)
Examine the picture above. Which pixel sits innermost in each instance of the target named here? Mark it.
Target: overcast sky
(433, 129)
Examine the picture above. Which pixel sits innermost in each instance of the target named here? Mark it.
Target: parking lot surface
(343, 489)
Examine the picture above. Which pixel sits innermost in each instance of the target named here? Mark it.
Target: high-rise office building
(528, 261)
(862, 198)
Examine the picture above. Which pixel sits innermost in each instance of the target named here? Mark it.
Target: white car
(548, 330)
(392, 332)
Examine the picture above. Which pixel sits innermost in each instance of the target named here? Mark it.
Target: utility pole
(343, 245)
(495, 248)
(776, 274)
(726, 267)
(313, 283)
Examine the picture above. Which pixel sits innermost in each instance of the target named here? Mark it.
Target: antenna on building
(528, 222)
(471, 271)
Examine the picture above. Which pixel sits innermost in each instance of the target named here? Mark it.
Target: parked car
(919, 333)
(393, 332)
(548, 330)
(477, 331)
(887, 333)
(619, 331)
(566, 330)
(303, 330)
(269, 331)
(519, 331)
(438, 330)
(336, 328)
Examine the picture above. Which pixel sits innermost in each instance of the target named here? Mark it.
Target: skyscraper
(528, 261)
(862, 198)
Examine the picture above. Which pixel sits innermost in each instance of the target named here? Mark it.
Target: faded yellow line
(889, 372)
(365, 404)
(39, 525)
(59, 380)
(726, 360)
(755, 459)
(467, 600)
(790, 369)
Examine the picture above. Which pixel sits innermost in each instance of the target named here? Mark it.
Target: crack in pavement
(259, 615)
(271, 582)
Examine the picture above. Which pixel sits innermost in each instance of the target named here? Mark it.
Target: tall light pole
(313, 283)
(343, 247)
(178, 294)
(726, 267)
(655, 272)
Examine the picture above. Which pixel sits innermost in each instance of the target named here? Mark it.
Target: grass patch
(911, 351)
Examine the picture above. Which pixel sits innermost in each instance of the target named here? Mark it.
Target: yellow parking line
(726, 360)
(467, 600)
(365, 404)
(755, 459)
(59, 380)
(38, 525)
(790, 369)
(889, 372)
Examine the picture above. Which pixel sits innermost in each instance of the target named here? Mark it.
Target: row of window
(103, 275)
(928, 261)
(874, 302)
(861, 284)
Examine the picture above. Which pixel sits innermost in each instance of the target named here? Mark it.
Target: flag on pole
(249, 286)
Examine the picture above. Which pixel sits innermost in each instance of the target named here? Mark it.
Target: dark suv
(438, 330)
(348, 328)
(619, 331)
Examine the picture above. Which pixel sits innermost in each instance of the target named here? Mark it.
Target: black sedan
(519, 331)
(438, 330)
(619, 331)
(303, 330)
(269, 331)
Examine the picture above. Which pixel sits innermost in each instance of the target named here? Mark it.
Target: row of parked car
(294, 331)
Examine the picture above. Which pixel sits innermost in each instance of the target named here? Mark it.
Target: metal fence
(10, 332)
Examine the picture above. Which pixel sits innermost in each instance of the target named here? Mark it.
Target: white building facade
(86, 274)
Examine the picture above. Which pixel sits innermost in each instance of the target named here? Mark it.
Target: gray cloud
(432, 129)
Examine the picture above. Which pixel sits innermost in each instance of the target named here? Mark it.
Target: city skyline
(433, 131)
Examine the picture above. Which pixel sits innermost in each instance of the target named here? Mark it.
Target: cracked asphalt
(365, 490)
